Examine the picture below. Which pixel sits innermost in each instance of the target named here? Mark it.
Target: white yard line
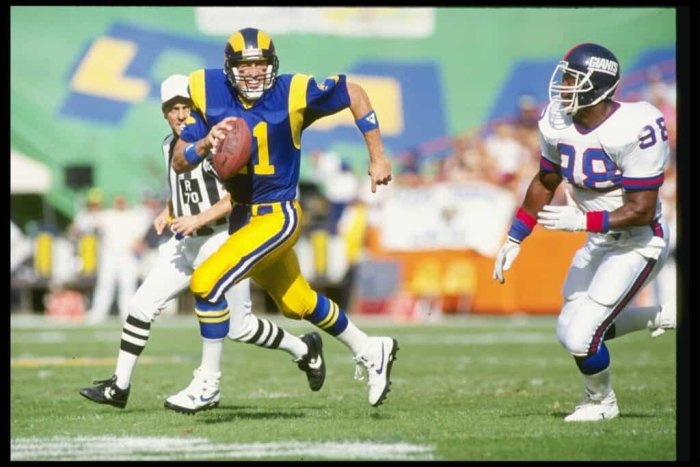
(99, 448)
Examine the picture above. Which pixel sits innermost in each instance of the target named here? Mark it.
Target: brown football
(233, 152)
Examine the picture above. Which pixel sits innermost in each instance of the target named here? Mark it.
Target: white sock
(125, 366)
(598, 385)
(293, 345)
(354, 338)
(635, 319)
(211, 355)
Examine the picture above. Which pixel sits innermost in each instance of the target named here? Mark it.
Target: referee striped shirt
(194, 191)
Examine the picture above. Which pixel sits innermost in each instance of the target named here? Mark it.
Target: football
(233, 151)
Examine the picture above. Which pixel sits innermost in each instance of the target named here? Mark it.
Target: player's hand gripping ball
(233, 152)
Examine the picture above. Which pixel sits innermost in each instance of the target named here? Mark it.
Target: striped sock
(328, 316)
(331, 318)
(135, 335)
(270, 336)
(214, 318)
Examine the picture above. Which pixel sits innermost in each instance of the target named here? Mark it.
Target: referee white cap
(174, 86)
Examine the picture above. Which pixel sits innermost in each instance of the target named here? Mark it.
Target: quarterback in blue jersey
(196, 213)
(265, 221)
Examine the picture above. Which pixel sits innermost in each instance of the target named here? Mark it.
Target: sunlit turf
(470, 388)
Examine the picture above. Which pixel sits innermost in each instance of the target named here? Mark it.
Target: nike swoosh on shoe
(207, 399)
(381, 364)
(315, 364)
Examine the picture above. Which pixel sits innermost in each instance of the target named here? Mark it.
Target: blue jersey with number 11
(276, 120)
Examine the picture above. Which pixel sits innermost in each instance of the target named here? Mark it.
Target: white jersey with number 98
(626, 152)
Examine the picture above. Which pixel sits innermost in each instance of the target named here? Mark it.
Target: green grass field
(475, 388)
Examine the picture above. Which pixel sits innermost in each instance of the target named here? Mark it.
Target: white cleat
(202, 394)
(377, 359)
(665, 319)
(589, 410)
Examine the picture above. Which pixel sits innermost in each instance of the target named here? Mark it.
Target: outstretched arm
(366, 119)
(539, 193)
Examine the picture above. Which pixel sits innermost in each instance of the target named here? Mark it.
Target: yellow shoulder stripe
(297, 104)
(198, 92)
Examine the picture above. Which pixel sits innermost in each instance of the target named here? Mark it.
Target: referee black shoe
(107, 392)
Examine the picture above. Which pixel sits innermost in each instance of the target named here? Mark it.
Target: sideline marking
(164, 448)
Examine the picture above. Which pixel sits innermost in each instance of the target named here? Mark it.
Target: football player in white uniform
(196, 214)
(612, 154)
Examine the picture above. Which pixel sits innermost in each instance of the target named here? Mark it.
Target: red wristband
(528, 219)
(597, 221)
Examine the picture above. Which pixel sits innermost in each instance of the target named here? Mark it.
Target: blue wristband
(518, 231)
(522, 225)
(191, 155)
(367, 123)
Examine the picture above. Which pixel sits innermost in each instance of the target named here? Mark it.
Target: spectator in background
(526, 130)
(341, 190)
(657, 86)
(147, 248)
(120, 230)
(339, 184)
(468, 160)
(507, 154)
(409, 169)
(324, 164)
(20, 248)
(528, 113)
(662, 95)
(85, 220)
(83, 231)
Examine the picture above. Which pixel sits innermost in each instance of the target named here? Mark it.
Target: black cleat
(313, 363)
(107, 392)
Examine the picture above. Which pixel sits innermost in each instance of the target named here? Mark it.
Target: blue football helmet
(249, 45)
(588, 74)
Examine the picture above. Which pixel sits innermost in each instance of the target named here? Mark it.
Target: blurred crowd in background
(93, 267)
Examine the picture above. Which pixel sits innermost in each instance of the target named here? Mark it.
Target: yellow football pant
(260, 247)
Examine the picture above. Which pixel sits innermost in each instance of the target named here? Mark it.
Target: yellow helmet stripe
(263, 40)
(236, 41)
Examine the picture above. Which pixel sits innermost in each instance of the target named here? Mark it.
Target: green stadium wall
(71, 103)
